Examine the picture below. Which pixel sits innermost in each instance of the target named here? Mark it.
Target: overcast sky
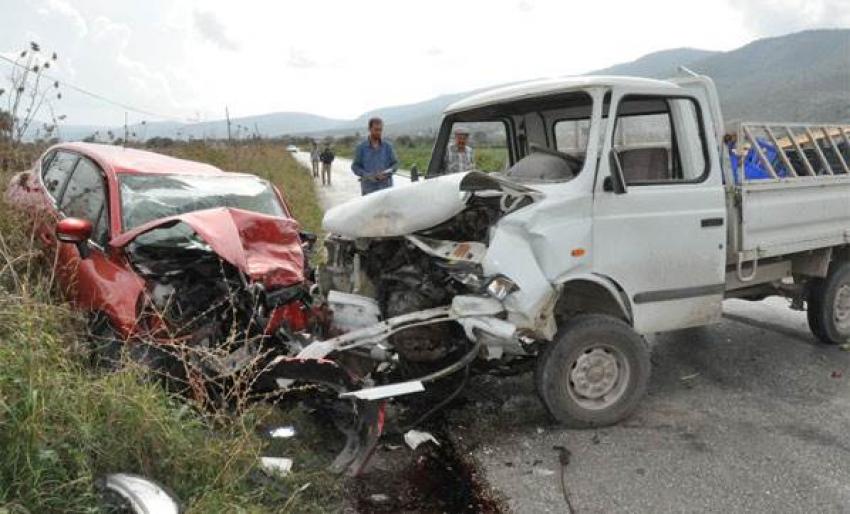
(190, 58)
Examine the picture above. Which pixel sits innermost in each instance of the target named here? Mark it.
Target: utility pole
(126, 132)
(227, 115)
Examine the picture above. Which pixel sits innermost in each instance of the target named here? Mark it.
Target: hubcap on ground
(598, 377)
(841, 309)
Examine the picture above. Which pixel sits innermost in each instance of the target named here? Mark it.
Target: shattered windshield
(148, 197)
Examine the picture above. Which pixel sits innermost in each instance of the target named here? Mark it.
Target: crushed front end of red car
(227, 305)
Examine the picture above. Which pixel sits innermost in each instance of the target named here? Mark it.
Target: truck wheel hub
(841, 309)
(598, 378)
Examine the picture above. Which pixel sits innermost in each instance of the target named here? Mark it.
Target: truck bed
(802, 202)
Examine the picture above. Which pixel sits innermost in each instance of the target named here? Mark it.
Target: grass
(63, 424)
(486, 158)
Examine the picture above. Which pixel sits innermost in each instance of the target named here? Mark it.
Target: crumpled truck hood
(399, 210)
(266, 248)
(410, 208)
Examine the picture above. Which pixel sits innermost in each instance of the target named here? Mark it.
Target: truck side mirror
(614, 181)
(76, 231)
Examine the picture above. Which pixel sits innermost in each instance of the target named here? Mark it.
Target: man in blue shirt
(374, 160)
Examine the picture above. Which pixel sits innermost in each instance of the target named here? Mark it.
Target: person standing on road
(459, 156)
(374, 160)
(314, 158)
(327, 157)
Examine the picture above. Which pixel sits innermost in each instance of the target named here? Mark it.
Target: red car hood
(266, 248)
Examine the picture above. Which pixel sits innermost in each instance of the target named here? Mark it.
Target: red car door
(56, 167)
(103, 281)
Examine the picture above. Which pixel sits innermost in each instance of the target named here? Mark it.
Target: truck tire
(828, 305)
(594, 373)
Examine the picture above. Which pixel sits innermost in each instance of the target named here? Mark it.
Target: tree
(29, 92)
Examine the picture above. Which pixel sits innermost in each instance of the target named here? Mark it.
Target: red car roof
(131, 160)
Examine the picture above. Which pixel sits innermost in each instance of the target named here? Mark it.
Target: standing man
(327, 157)
(314, 158)
(459, 156)
(374, 160)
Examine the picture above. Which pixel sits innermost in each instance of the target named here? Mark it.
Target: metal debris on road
(564, 456)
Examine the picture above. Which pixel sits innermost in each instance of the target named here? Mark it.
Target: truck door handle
(711, 222)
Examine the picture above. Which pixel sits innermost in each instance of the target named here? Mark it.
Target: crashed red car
(138, 232)
(186, 266)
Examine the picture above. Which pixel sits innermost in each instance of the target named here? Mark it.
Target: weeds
(64, 424)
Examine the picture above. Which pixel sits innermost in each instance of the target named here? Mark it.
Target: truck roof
(544, 87)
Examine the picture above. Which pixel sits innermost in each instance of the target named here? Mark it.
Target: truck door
(663, 238)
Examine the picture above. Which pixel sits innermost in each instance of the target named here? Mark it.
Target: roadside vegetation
(64, 424)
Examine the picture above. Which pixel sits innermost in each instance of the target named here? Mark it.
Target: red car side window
(56, 174)
(84, 197)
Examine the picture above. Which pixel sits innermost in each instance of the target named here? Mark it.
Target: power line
(100, 97)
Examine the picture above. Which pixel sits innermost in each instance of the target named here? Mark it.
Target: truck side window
(659, 140)
(85, 197)
(57, 171)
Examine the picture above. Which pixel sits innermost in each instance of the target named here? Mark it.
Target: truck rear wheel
(828, 306)
(594, 373)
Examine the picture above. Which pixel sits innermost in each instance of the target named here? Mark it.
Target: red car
(168, 248)
(186, 265)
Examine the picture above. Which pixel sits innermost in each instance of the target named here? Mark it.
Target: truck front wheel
(594, 373)
(828, 308)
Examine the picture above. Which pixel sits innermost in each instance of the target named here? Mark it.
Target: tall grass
(63, 425)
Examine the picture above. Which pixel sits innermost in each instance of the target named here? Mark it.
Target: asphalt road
(751, 414)
(344, 183)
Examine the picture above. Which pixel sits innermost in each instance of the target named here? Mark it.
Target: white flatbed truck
(624, 208)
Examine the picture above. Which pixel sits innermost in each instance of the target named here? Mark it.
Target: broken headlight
(500, 287)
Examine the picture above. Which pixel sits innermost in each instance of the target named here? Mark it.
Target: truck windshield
(145, 198)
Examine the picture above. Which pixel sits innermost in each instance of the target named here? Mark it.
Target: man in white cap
(459, 155)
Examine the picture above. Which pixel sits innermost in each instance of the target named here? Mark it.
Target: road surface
(344, 184)
(751, 414)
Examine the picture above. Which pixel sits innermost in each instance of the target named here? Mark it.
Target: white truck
(617, 207)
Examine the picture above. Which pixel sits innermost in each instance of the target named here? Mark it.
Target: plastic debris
(280, 466)
(414, 438)
(282, 432)
(542, 472)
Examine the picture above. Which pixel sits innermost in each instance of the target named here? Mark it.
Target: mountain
(798, 77)
(803, 77)
(658, 64)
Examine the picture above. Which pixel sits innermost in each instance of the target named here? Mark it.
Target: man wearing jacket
(374, 160)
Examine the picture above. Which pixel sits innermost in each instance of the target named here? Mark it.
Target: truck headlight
(500, 287)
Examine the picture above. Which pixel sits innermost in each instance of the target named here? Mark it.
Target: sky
(189, 59)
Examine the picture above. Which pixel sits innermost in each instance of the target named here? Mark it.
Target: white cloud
(340, 58)
(298, 58)
(775, 17)
(66, 10)
(211, 28)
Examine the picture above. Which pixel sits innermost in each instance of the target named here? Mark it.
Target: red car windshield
(148, 197)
